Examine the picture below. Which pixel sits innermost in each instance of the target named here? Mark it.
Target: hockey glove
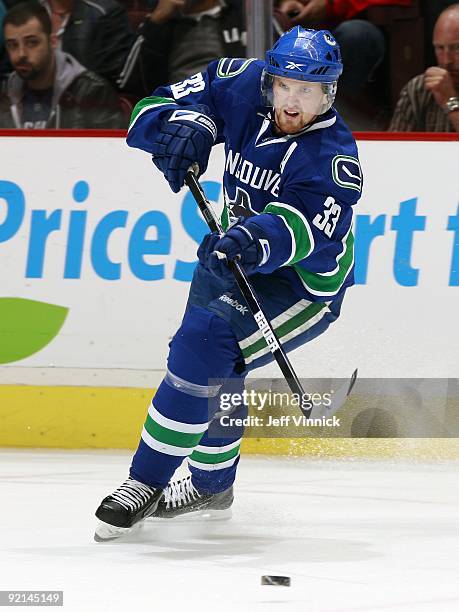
(186, 137)
(245, 242)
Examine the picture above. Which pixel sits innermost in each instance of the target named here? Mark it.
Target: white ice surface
(353, 536)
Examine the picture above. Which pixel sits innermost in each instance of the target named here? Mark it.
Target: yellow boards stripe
(112, 417)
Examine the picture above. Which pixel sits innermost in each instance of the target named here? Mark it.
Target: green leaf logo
(27, 326)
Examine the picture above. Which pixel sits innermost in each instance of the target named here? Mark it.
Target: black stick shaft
(248, 292)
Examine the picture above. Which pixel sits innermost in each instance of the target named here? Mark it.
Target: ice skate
(181, 498)
(129, 504)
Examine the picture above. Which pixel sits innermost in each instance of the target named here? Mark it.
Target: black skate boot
(182, 498)
(129, 504)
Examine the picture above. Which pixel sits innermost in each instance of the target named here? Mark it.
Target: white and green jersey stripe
(326, 284)
(298, 227)
(146, 104)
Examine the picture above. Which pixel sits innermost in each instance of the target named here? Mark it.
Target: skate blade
(215, 515)
(105, 532)
(196, 516)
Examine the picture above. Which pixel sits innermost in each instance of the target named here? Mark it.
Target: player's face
(296, 103)
(446, 44)
(29, 49)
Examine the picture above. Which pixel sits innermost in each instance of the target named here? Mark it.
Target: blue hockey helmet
(305, 55)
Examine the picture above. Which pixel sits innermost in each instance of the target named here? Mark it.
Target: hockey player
(291, 178)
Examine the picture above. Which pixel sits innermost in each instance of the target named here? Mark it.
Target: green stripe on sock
(214, 458)
(285, 328)
(169, 436)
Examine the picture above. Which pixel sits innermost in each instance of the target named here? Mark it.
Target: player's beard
(288, 124)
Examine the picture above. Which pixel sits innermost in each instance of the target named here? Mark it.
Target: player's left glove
(186, 137)
(245, 242)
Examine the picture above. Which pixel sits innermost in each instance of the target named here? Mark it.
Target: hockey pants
(217, 344)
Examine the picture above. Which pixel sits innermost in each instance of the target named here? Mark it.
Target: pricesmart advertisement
(96, 257)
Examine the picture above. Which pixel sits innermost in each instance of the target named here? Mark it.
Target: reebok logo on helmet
(293, 66)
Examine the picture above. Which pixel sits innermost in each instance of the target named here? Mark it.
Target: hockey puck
(276, 580)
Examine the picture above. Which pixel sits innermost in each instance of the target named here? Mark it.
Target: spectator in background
(431, 11)
(2, 49)
(180, 37)
(49, 88)
(362, 43)
(2, 14)
(430, 101)
(337, 10)
(96, 32)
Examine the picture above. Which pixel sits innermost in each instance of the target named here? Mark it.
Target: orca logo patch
(347, 173)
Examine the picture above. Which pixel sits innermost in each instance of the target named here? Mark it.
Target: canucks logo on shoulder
(346, 172)
(230, 67)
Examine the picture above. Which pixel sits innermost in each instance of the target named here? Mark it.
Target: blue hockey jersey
(309, 180)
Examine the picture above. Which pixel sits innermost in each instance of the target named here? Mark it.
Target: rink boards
(97, 417)
(97, 254)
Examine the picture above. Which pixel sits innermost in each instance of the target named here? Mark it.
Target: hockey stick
(247, 291)
(339, 397)
(254, 306)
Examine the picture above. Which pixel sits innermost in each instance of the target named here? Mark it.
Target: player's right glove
(245, 242)
(186, 137)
